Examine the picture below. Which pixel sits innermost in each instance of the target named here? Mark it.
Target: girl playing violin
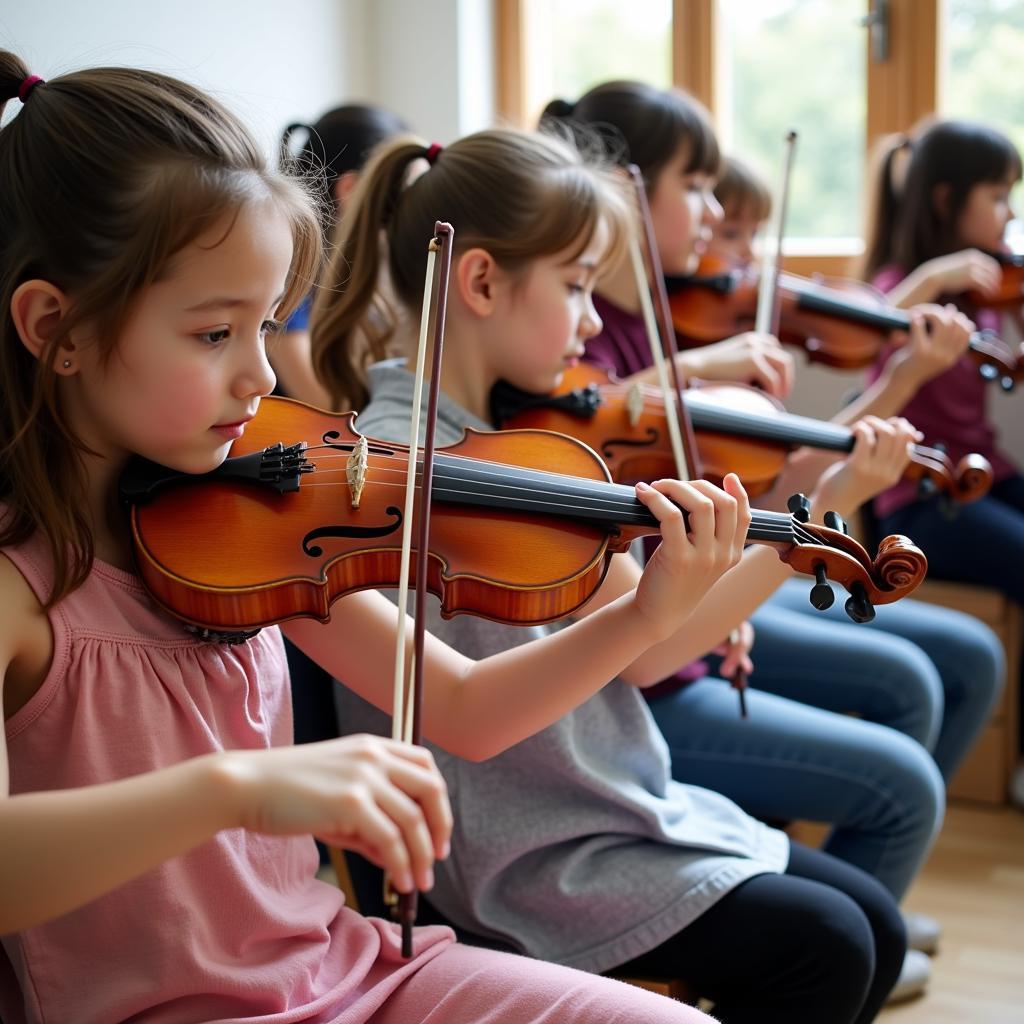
(940, 208)
(789, 759)
(576, 845)
(156, 859)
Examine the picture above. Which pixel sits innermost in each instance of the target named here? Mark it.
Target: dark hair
(519, 195)
(105, 174)
(340, 141)
(741, 190)
(907, 225)
(644, 125)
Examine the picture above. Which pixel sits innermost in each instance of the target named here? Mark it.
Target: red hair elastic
(27, 85)
(432, 150)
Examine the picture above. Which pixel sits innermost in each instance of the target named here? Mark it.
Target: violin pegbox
(828, 553)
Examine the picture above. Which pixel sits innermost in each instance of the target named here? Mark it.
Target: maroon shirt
(623, 349)
(951, 408)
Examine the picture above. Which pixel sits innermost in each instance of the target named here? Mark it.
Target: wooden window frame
(900, 91)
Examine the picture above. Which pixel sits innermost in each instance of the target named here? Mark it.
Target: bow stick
(408, 688)
(664, 347)
(766, 320)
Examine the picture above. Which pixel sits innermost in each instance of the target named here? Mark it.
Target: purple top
(951, 409)
(623, 349)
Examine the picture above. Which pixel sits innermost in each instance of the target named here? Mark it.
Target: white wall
(433, 64)
(271, 62)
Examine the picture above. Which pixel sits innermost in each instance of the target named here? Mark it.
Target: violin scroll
(828, 553)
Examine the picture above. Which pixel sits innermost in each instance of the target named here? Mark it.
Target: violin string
(771, 523)
(781, 528)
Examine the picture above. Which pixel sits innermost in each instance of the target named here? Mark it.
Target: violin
(306, 510)
(843, 324)
(738, 429)
(1010, 292)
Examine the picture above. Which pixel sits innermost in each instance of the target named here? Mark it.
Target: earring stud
(67, 364)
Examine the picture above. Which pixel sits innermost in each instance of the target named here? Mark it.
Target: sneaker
(914, 976)
(922, 932)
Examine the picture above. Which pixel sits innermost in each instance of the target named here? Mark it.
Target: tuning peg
(800, 507)
(1007, 383)
(821, 593)
(926, 488)
(858, 607)
(941, 447)
(988, 371)
(834, 521)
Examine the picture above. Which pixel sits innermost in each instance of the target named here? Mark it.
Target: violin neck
(782, 428)
(830, 302)
(613, 507)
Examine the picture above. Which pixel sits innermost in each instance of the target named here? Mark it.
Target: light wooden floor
(974, 885)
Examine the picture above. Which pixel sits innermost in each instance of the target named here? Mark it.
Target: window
(762, 66)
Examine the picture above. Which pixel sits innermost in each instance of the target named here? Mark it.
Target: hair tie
(27, 85)
(432, 150)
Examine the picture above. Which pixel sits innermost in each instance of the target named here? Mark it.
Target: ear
(940, 198)
(344, 186)
(37, 308)
(476, 274)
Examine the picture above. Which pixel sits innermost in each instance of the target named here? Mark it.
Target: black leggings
(822, 943)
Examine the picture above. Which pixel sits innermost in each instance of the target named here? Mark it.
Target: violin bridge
(634, 403)
(355, 470)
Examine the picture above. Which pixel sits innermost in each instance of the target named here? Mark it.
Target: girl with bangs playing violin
(156, 859)
(576, 845)
(939, 210)
(928, 674)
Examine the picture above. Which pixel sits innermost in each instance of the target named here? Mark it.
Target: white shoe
(922, 932)
(914, 976)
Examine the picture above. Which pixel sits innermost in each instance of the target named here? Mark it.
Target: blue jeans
(929, 672)
(877, 786)
(983, 544)
(879, 789)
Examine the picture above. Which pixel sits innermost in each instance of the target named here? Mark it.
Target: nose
(590, 323)
(256, 377)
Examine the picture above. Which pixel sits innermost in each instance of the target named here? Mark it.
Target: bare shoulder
(26, 641)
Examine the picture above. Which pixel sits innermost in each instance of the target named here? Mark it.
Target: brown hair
(519, 195)
(105, 174)
(906, 226)
(742, 191)
(644, 125)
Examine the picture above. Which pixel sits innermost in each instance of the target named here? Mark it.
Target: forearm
(886, 397)
(917, 287)
(61, 849)
(505, 698)
(733, 598)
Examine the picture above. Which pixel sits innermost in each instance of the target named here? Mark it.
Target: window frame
(900, 90)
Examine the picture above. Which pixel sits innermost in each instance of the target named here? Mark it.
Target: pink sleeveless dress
(238, 928)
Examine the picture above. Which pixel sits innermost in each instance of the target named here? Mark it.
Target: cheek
(176, 401)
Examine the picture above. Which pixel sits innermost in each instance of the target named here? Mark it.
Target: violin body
(738, 429)
(839, 323)
(834, 320)
(1010, 293)
(251, 557)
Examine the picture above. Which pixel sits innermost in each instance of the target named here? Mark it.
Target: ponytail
(349, 287)
(883, 204)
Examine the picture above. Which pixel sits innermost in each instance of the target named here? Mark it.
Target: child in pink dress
(155, 822)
